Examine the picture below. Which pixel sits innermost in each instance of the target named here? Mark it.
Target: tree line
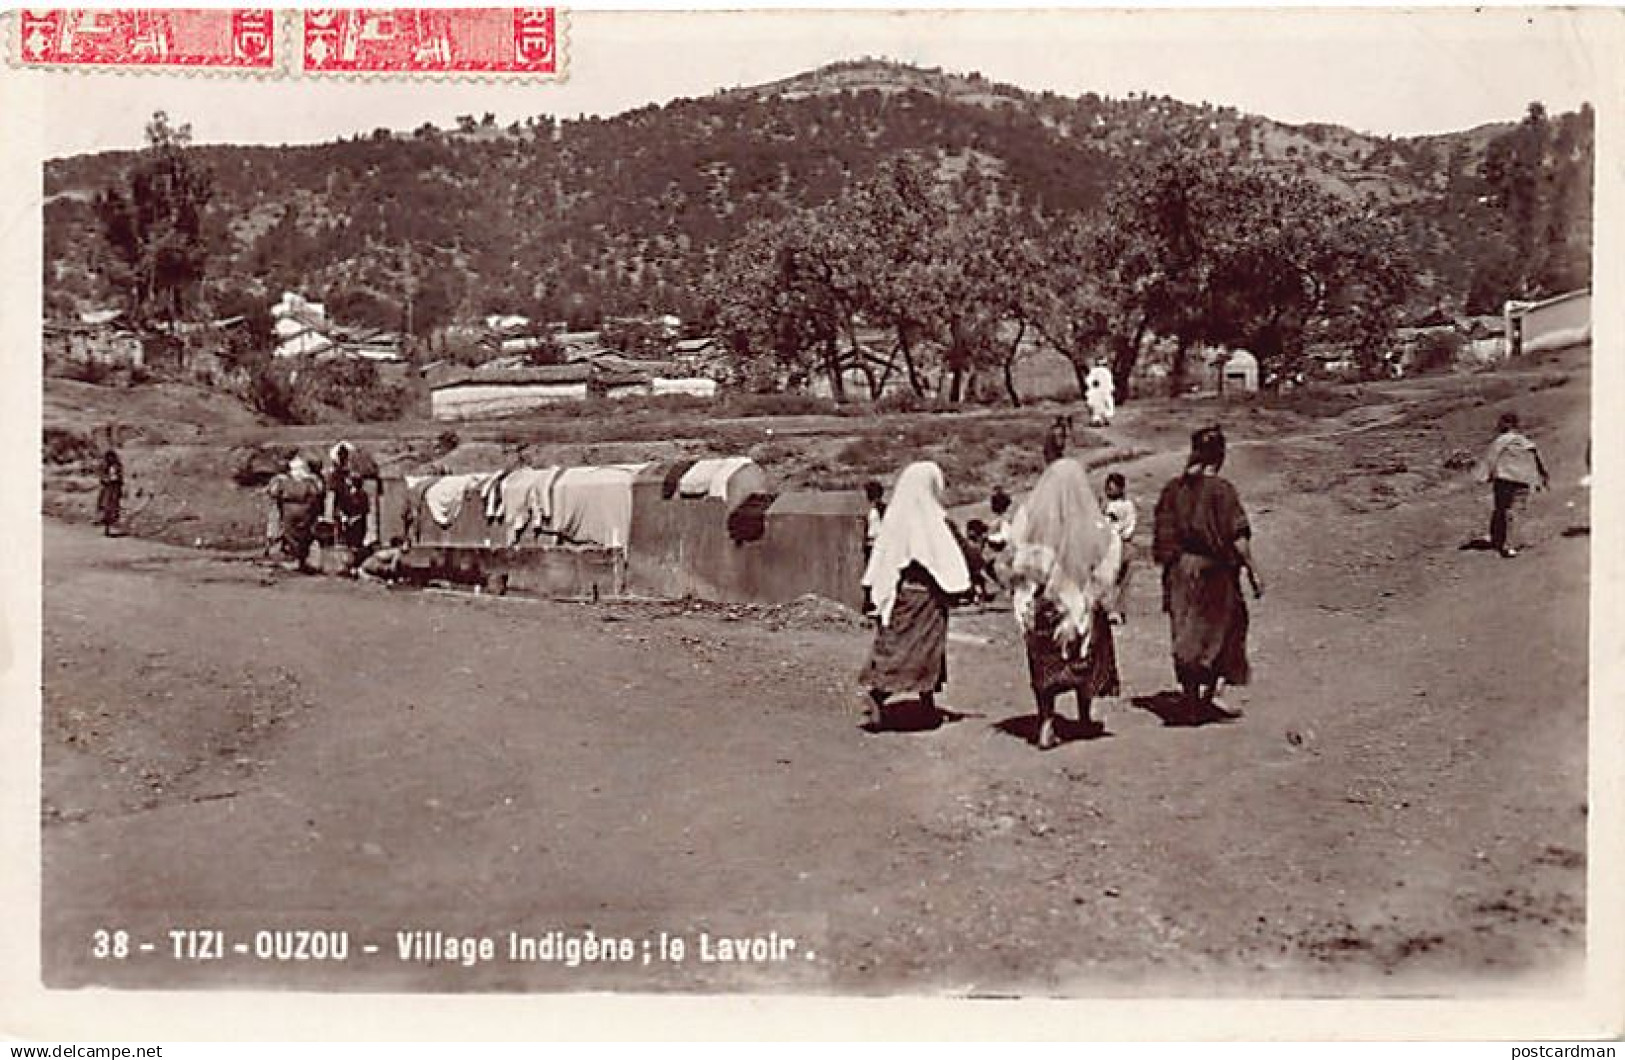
(964, 252)
(962, 275)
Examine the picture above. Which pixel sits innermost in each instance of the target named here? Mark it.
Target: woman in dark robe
(110, 498)
(352, 486)
(1064, 570)
(917, 566)
(1202, 541)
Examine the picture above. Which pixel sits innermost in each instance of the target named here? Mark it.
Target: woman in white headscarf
(916, 566)
(1064, 565)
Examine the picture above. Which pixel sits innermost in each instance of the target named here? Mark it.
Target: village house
(504, 386)
(580, 345)
(368, 344)
(457, 393)
(102, 337)
(300, 327)
(1550, 324)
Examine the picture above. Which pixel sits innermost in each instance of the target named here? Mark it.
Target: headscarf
(1063, 548)
(299, 467)
(1207, 448)
(1055, 440)
(914, 530)
(358, 461)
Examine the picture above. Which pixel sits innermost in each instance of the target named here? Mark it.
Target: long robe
(299, 500)
(1199, 518)
(910, 652)
(110, 498)
(916, 565)
(1064, 570)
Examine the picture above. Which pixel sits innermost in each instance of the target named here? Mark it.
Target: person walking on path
(916, 568)
(110, 497)
(1100, 395)
(1202, 540)
(1124, 517)
(1512, 466)
(1064, 567)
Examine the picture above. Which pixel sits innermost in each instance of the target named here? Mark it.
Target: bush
(306, 393)
(748, 405)
(341, 383)
(88, 371)
(1437, 352)
(63, 446)
(907, 401)
(386, 401)
(258, 464)
(1312, 400)
(271, 392)
(874, 455)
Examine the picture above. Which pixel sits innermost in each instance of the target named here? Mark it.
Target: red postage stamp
(483, 40)
(193, 38)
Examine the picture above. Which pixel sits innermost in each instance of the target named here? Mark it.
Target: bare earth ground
(1400, 810)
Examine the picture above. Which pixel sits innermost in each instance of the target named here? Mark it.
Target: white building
(470, 395)
(1550, 324)
(301, 327)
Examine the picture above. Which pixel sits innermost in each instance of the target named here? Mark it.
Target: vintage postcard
(1074, 522)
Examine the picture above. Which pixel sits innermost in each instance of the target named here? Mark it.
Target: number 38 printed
(106, 944)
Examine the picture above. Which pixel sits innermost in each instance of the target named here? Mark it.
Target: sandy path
(1402, 804)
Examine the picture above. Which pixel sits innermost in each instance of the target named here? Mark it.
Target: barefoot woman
(915, 566)
(1202, 541)
(1064, 568)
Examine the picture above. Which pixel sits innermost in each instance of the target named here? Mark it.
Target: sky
(1381, 72)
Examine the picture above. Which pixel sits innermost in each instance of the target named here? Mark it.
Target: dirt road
(1400, 810)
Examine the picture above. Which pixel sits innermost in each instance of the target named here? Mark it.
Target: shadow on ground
(1177, 711)
(910, 715)
(1025, 727)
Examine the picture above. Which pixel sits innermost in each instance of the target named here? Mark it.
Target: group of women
(302, 498)
(1065, 560)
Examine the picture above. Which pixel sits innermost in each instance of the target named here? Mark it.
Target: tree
(1014, 285)
(1083, 306)
(895, 215)
(983, 268)
(773, 307)
(1539, 179)
(1151, 247)
(1226, 254)
(154, 223)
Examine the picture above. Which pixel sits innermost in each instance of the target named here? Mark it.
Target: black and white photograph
(978, 504)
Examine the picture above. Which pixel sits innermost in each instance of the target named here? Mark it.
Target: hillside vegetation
(573, 220)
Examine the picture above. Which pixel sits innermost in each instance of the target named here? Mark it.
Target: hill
(573, 220)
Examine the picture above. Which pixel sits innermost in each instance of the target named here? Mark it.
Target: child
(1123, 516)
(1512, 466)
(979, 559)
(999, 535)
(384, 565)
(876, 494)
(877, 510)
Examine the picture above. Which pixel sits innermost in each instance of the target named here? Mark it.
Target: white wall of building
(1552, 324)
(469, 401)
